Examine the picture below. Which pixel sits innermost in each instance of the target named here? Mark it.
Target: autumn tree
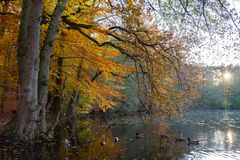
(163, 77)
(28, 63)
(34, 76)
(68, 51)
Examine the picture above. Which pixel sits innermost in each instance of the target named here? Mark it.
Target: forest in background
(216, 92)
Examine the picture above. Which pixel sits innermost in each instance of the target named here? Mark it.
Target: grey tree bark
(34, 75)
(44, 65)
(22, 39)
(27, 115)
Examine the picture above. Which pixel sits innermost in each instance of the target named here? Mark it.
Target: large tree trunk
(22, 39)
(44, 65)
(28, 113)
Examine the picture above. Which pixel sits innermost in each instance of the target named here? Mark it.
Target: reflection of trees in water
(153, 146)
(86, 142)
(109, 151)
(88, 146)
(90, 134)
(162, 143)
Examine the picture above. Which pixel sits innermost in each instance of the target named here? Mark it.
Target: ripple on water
(218, 132)
(212, 155)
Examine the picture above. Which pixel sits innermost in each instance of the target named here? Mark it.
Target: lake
(217, 130)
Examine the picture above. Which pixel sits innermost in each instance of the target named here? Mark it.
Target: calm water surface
(218, 132)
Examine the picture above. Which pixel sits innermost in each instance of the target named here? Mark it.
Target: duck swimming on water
(164, 136)
(116, 139)
(179, 140)
(67, 144)
(103, 143)
(190, 142)
(140, 135)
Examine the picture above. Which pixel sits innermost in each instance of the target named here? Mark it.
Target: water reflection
(217, 130)
(219, 137)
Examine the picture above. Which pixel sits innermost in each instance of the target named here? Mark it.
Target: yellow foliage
(92, 68)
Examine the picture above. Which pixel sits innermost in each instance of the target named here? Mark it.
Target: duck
(190, 142)
(140, 135)
(67, 144)
(14, 111)
(164, 136)
(179, 140)
(116, 139)
(103, 143)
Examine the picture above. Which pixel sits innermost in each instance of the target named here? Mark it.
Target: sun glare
(227, 76)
